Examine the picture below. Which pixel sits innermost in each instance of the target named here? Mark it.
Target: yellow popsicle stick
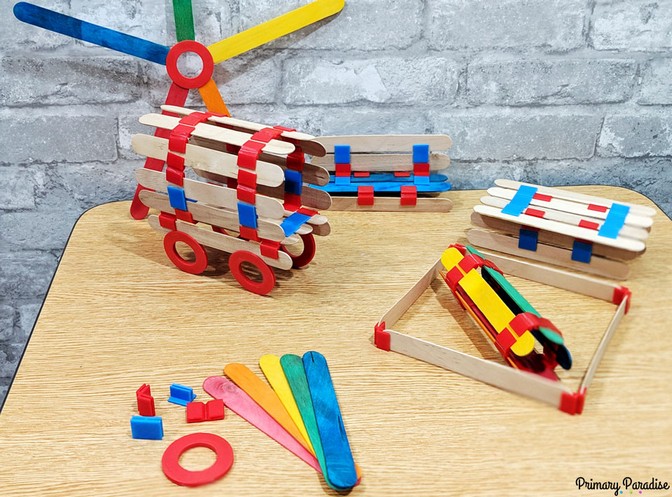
(270, 365)
(264, 395)
(274, 29)
(212, 98)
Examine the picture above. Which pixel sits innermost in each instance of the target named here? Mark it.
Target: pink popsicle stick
(242, 404)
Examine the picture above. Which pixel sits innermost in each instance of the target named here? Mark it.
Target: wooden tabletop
(118, 315)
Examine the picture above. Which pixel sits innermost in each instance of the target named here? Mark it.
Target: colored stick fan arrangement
(299, 410)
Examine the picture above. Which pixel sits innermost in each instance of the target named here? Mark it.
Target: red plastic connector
(572, 403)
(589, 225)
(198, 412)
(402, 174)
(248, 155)
(269, 248)
(409, 195)
(184, 216)
(247, 178)
(381, 338)
(249, 233)
(542, 197)
(296, 160)
(361, 174)
(247, 194)
(343, 170)
(535, 212)
(266, 135)
(597, 208)
(175, 176)
(365, 195)
(167, 221)
(621, 292)
(145, 401)
(421, 169)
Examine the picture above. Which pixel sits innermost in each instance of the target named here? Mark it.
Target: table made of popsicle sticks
(118, 315)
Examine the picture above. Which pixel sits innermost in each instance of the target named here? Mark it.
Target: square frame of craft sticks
(504, 377)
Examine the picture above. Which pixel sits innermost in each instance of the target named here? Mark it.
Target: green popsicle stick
(184, 20)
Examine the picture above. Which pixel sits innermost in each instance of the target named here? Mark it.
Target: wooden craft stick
(383, 162)
(641, 210)
(270, 366)
(223, 242)
(563, 229)
(391, 204)
(206, 159)
(239, 402)
(604, 343)
(264, 395)
(549, 254)
(384, 143)
(305, 141)
(216, 133)
(310, 197)
(215, 195)
(338, 458)
(572, 219)
(573, 207)
(550, 238)
(577, 283)
(214, 216)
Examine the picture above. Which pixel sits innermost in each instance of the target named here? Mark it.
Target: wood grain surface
(118, 315)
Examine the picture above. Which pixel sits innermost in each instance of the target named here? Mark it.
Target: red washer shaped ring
(262, 287)
(206, 59)
(200, 262)
(170, 462)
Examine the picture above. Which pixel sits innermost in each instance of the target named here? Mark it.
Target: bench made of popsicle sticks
(509, 321)
(583, 232)
(255, 203)
(397, 167)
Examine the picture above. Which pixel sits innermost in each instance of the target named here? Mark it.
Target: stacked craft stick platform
(257, 201)
(387, 172)
(298, 409)
(582, 232)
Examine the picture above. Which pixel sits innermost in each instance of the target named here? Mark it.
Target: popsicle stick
(550, 238)
(270, 366)
(571, 219)
(641, 210)
(310, 197)
(184, 20)
(391, 204)
(563, 229)
(216, 133)
(215, 195)
(264, 395)
(212, 215)
(274, 29)
(223, 242)
(305, 140)
(387, 187)
(86, 31)
(239, 402)
(338, 458)
(383, 162)
(549, 254)
(385, 143)
(573, 207)
(205, 159)
(212, 98)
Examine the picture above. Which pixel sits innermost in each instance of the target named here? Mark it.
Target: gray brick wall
(550, 91)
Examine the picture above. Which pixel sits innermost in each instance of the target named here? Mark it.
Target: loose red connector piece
(381, 338)
(145, 401)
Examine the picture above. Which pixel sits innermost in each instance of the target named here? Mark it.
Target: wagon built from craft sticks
(527, 341)
(255, 202)
(387, 172)
(582, 232)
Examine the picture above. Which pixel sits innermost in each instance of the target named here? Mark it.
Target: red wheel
(170, 462)
(262, 287)
(200, 262)
(304, 258)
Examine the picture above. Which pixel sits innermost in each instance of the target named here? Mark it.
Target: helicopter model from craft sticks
(367, 165)
(184, 26)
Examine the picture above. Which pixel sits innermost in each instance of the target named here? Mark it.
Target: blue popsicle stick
(85, 31)
(390, 177)
(385, 186)
(335, 446)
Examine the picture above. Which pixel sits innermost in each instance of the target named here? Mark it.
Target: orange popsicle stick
(212, 98)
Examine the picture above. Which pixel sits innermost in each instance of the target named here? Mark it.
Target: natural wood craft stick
(577, 283)
(572, 219)
(384, 162)
(223, 242)
(212, 215)
(304, 140)
(573, 207)
(562, 229)
(216, 133)
(384, 143)
(313, 174)
(208, 193)
(546, 253)
(206, 159)
(310, 197)
(391, 204)
(550, 238)
(641, 210)
(604, 343)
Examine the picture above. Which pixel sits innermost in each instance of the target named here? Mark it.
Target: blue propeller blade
(82, 30)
